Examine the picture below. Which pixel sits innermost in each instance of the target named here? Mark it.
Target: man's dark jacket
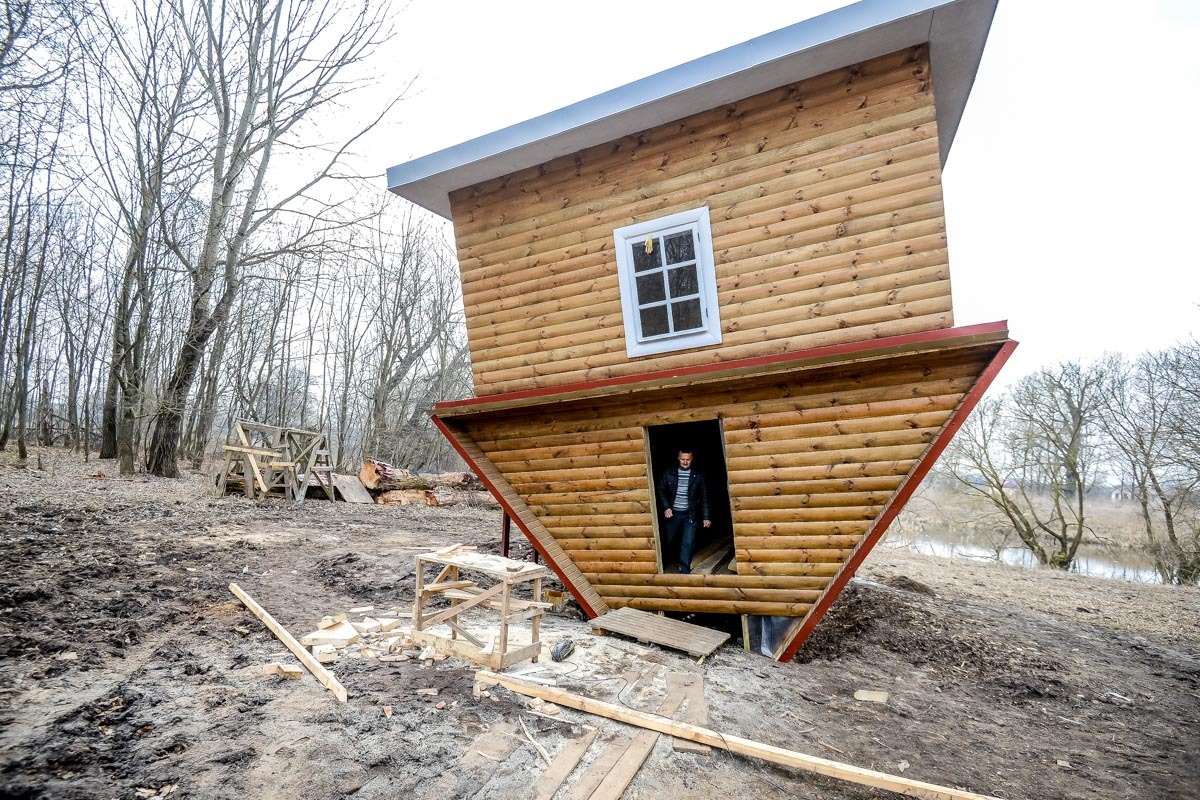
(697, 493)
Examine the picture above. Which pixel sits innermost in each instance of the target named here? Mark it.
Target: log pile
(379, 476)
(391, 484)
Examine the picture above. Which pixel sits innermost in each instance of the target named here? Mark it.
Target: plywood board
(352, 489)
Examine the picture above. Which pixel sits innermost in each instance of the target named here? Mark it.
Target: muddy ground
(123, 672)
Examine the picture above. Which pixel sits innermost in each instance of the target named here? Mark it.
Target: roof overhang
(956, 31)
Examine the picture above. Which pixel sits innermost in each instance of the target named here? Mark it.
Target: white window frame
(696, 220)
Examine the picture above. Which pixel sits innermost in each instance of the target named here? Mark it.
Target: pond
(1093, 560)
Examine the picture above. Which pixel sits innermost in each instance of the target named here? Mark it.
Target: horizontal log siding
(813, 457)
(825, 200)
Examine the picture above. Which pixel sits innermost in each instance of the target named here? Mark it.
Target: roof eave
(955, 29)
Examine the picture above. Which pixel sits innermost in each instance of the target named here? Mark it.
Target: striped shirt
(681, 491)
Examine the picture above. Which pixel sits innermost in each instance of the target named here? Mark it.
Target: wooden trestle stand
(464, 594)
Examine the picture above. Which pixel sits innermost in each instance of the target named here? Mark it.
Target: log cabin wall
(812, 457)
(826, 213)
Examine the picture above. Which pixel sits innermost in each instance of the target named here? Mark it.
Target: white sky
(1070, 189)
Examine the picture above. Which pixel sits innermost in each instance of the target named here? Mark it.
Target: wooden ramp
(694, 640)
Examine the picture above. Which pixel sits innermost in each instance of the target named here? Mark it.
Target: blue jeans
(680, 528)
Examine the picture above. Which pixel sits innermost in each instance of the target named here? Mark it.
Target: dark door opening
(714, 546)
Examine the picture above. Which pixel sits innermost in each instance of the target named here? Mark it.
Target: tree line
(182, 245)
(1038, 452)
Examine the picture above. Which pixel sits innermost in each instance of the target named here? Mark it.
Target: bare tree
(1033, 455)
(1149, 418)
(265, 66)
(413, 302)
(140, 105)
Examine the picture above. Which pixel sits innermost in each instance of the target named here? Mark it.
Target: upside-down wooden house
(746, 256)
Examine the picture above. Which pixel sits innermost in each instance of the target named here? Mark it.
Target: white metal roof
(955, 29)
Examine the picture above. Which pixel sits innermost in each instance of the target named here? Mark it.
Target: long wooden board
(694, 640)
(735, 744)
(563, 765)
(692, 688)
(306, 658)
(614, 784)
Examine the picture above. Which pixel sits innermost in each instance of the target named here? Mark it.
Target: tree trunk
(163, 456)
(108, 423)
(126, 451)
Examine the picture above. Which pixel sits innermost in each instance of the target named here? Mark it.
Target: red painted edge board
(828, 351)
(969, 401)
(550, 562)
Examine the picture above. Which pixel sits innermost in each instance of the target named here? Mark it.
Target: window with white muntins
(668, 284)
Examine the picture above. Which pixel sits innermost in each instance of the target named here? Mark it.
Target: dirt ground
(123, 672)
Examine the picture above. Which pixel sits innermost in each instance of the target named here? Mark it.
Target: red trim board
(713, 370)
(902, 496)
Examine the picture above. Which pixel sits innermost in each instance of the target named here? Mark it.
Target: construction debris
(339, 635)
(288, 671)
(325, 653)
(736, 744)
(329, 622)
(306, 658)
(541, 751)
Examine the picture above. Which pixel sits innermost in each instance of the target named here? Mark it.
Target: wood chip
(387, 711)
(441, 704)
(325, 653)
(339, 635)
(362, 609)
(869, 696)
(329, 622)
(288, 671)
(430, 692)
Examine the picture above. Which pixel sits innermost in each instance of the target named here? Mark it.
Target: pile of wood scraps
(376, 634)
(384, 637)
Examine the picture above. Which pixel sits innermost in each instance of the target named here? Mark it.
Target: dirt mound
(925, 636)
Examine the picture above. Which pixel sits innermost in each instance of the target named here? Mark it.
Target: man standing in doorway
(683, 501)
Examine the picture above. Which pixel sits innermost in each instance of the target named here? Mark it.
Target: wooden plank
(614, 784)
(735, 744)
(563, 765)
(306, 658)
(693, 639)
(596, 772)
(352, 489)
(692, 687)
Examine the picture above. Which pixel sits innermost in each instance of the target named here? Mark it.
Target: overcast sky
(1070, 191)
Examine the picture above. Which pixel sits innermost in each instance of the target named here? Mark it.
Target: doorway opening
(713, 548)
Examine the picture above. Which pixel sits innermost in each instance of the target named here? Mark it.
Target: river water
(1090, 560)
